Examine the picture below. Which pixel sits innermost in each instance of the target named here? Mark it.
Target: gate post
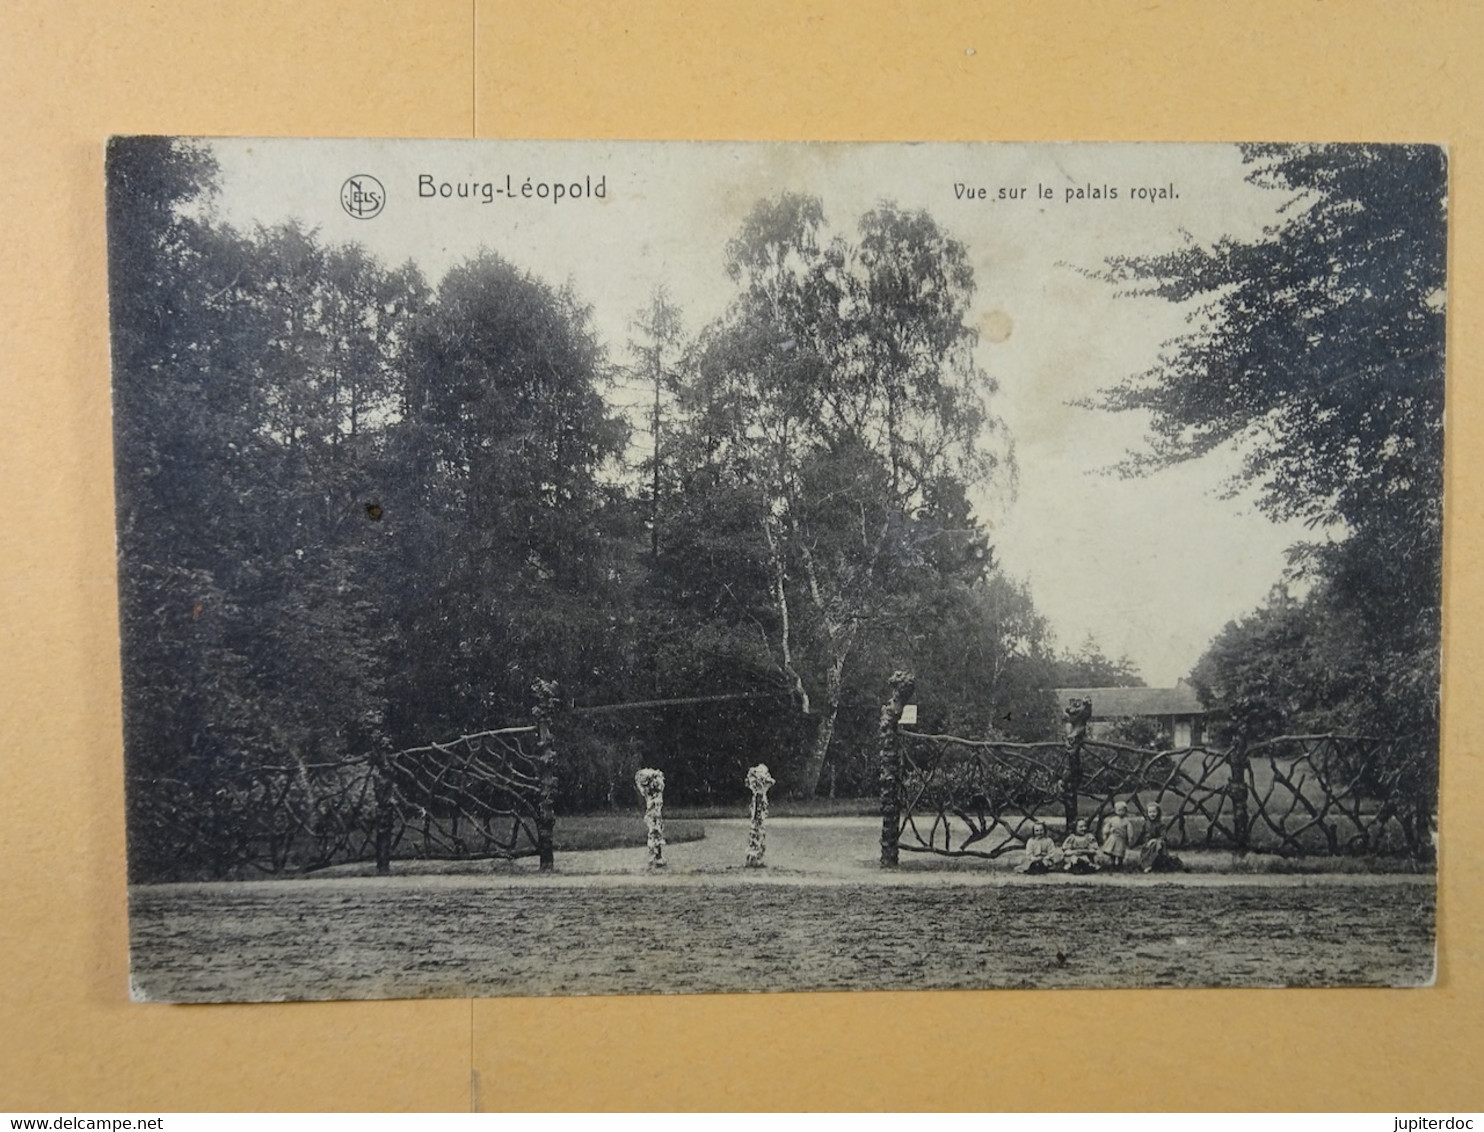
(1078, 713)
(381, 785)
(902, 686)
(1237, 765)
(547, 705)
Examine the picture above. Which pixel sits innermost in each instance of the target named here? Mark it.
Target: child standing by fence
(1118, 832)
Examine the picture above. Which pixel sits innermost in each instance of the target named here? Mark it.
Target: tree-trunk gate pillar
(1078, 713)
(382, 791)
(902, 686)
(1237, 764)
(547, 705)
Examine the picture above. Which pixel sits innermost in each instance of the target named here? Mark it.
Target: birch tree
(841, 389)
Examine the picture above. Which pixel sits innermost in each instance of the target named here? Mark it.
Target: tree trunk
(813, 768)
(785, 632)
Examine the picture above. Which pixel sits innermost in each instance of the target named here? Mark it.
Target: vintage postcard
(595, 567)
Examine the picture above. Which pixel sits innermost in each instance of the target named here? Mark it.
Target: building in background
(1176, 712)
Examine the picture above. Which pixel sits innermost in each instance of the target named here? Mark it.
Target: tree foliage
(839, 403)
(1088, 666)
(359, 513)
(1316, 351)
(501, 517)
(1318, 348)
(251, 373)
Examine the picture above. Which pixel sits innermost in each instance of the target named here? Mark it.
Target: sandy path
(822, 916)
(315, 941)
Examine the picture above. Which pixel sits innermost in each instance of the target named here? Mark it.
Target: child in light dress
(1041, 853)
(1118, 834)
(1080, 850)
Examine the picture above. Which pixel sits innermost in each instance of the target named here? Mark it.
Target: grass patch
(781, 808)
(1273, 863)
(578, 832)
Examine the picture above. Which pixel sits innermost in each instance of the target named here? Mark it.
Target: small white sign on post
(909, 714)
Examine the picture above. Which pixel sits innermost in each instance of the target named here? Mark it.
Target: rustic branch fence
(479, 795)
(490, 794)
(1295, 795)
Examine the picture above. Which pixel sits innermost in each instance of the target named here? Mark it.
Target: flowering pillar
(651, 784)
(758, 781)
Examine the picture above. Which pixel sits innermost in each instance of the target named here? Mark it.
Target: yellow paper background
(73, 73)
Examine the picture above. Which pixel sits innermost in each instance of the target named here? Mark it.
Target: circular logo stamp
(362, 196)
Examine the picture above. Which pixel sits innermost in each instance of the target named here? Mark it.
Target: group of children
(1081, 852)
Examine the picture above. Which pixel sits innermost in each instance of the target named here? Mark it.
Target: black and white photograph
(568, 568)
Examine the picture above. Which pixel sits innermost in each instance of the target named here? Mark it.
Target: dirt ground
(821, 917)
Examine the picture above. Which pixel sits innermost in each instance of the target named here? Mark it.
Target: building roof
(1116, 703)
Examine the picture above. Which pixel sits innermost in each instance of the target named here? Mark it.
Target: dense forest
(359, 511)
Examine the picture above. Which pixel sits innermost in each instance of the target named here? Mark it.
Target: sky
(1151, 568)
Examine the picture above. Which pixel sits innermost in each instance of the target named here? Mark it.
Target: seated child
(1153, 854)
(1118, 831)
(1041, 853)
(1080, 850)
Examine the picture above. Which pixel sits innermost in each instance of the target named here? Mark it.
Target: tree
(1295, 665)
(839, 393)
(1316, 350)
(180, 410)
(502, 516)
(1090, 667)
(254, 377)
(984, 662)
(1269, 672)
(659, 349)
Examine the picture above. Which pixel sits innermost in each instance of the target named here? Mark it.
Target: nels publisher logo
(362, 196)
